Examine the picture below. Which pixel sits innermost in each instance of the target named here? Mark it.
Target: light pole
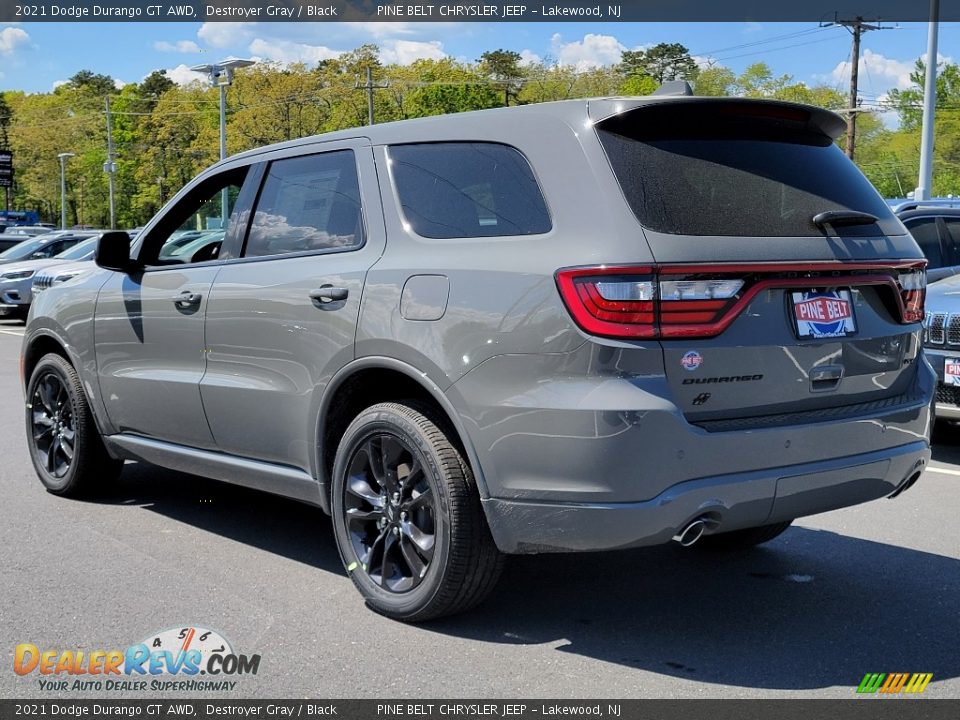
(63, 188)
(221, 76)
(925, 183)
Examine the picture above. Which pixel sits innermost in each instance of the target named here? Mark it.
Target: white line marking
(11, 332)
(943, 471)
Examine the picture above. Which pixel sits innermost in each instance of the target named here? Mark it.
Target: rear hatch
(783, 290)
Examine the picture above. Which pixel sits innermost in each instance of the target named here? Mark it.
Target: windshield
(23, 249)
(713, 173)
(80, 251)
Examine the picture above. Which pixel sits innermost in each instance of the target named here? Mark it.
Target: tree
(155, 84)
(95, 83)
(909, 103)
(663, 62)
(715, 82)
(503, 67)
(6, 116)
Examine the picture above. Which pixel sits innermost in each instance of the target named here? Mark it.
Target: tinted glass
(308, 204)
(21, 250)
(953, 233)
(691, 170)
(927, 235)
(81, 251)
(198, 217)
(54, 248)
(465, 190)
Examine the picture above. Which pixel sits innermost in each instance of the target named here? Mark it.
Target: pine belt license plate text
(823, 313)
(951, 371)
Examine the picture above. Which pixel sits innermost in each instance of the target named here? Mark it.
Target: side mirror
(113, 251)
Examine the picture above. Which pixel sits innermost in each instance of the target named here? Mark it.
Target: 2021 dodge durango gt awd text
(575, 326)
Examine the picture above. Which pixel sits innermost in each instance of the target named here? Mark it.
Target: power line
(857, 27)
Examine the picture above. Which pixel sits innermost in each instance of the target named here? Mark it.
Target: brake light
(694, 301)
(913, 293)
(611, 302)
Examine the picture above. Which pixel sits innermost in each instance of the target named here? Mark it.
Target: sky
(35, 57)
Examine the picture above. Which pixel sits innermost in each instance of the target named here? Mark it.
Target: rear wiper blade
(844, 217)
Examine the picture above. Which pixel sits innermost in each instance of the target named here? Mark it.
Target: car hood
(943, 295)
(35, 265)
(68, 266)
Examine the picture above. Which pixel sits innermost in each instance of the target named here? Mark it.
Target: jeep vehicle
(576, 326)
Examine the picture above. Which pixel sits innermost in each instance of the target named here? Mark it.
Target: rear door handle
(187, 299)
(328, 294)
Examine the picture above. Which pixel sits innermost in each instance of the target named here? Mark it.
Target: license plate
(951, 371)
(823, 314)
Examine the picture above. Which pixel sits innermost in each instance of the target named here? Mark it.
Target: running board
(277, 479)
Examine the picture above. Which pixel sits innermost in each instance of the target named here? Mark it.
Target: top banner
(430, 11)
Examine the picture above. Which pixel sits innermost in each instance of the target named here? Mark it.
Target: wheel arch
(365, 382)
(46, 340)
(39, 344)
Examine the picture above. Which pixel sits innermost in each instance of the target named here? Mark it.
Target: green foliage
(662, 62)
(715, 82)
(164, 134)
(95, 83)
(155, 84)
(6, 117)
(503, 67)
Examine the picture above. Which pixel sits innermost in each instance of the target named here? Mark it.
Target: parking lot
(873, 588)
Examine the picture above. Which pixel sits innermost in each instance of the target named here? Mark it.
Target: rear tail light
(700, 301)
(913, 293)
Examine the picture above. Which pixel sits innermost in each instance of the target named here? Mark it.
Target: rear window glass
(692, 170)
(467, 190)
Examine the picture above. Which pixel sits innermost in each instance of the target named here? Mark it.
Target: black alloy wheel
(407, 516)
(66, 449)
(390, 512)
(54, 433)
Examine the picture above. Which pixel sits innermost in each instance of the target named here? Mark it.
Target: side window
(953, 234)
(194, 229)
(307, 204)
(54, 248)
(468, 190)
(927, 235)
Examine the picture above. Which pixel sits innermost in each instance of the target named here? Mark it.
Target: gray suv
(577, 326)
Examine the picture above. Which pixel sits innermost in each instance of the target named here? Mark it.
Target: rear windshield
(692, 170)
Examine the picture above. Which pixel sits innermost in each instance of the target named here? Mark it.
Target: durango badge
(692, 360)
(824, 313)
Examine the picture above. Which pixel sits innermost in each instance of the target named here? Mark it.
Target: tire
(65, 446)
(741, 539)
(407, 517)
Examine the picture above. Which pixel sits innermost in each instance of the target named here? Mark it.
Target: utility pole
(925, 184)
(369, 86)
(857, 28)
(110, 167)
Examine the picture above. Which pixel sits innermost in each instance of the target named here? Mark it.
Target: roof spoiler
(610, 113)
(675, 88)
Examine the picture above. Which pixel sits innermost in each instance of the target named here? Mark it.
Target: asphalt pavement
(875, 588)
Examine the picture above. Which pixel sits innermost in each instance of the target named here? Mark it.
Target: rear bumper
(571, 457)
(731, 502)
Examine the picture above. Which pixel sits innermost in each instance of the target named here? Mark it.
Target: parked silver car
(576, 326)
(941, 340)
(17, 279)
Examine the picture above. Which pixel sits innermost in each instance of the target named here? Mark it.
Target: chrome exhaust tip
(691, 533)
(905, 485)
